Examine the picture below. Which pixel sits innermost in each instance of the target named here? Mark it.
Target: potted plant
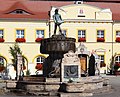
(20, 40)
(82, 39)
(38, 67)
(38, 39)
(117, 39)
(100, 39)
(28, 72)
(2, 40)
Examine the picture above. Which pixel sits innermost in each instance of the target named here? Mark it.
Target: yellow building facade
(91, 20)
(84, 21)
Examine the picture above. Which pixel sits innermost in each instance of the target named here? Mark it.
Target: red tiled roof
(104, 0)
(18, 5)
(39, 9)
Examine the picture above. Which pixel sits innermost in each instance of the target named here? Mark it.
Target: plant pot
(100, 39)
(81, 40)
(20, 40)
(39, 67)
(38, 39)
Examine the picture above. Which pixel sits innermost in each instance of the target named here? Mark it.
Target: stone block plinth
(70, 67)
(76, 94)
(72, 87)
(11, 84)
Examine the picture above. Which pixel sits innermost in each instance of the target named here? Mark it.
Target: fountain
(61, 71)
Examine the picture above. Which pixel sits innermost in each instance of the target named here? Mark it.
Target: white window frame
(40, 33)
(20, 33)
(81, 34)
(40, 58)
(117, 34)
(100, 33)
(118, 59)
(101, 59)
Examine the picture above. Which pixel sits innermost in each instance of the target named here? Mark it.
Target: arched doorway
(25, 65)
(3, 63)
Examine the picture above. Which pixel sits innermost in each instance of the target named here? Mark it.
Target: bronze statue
(58, 21)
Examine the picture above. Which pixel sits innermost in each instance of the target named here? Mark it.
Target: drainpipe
(112, 67)
(49, 24)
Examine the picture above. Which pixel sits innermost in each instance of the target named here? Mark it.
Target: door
(83, 65)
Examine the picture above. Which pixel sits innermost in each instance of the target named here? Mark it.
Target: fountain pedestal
(55, 46)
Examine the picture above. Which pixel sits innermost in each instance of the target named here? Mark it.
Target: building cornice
(23, 19)
(87, 20)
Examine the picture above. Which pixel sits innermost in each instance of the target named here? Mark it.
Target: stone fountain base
(86, 84)
(53, 87)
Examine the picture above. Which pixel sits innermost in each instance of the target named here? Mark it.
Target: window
(39, 62)
(100, 33)
(101, 57)
(117, 59)
(100, 36)
(64, 32)
(1, 36)
(20, 36)
(2, 67)
(19, 33)
(81, 35)
(1, 61)
(19, 11)
(39, 33)
(81, 13)
(117, 36)
(102, 63)
(1, 33)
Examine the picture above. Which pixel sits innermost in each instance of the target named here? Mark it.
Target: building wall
(30, 48)
(91, 20)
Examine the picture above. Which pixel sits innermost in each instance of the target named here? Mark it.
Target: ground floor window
(39, 62)
(2, 64)
(102, 63)
(117, 59)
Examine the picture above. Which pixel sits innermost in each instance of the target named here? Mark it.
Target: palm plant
(14, 51)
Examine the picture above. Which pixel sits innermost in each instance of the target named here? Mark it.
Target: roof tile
(39, 9)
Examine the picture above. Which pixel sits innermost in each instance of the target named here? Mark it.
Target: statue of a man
(58, 21)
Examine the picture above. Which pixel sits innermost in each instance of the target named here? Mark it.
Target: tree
(14, 50)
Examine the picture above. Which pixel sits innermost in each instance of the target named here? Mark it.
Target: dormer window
(19, 11)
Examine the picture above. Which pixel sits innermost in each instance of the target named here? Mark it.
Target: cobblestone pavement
(115, 83)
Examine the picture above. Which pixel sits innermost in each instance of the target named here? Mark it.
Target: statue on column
(20, 63)
(58, 21)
